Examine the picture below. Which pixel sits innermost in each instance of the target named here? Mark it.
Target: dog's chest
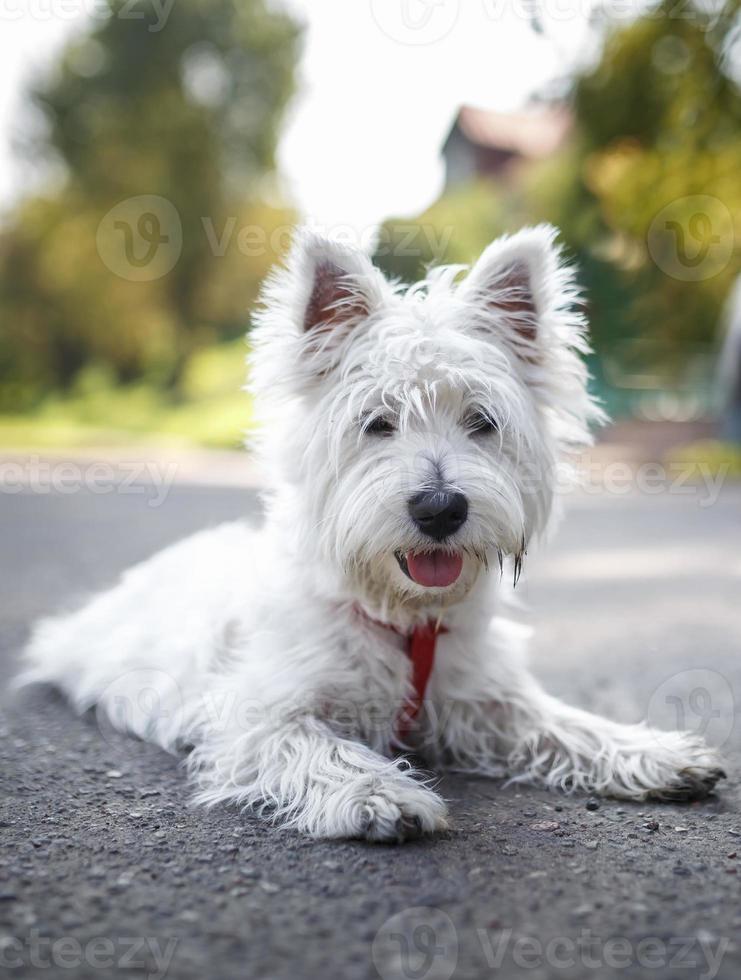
(389, 677)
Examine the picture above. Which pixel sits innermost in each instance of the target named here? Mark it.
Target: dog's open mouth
(432, 569)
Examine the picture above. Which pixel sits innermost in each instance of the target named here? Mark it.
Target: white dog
(411, 438)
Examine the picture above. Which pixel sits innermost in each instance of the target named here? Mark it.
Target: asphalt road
(105, 869)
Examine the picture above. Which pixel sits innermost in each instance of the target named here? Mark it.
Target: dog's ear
(311, 306)
(518, 285)
(337, 287)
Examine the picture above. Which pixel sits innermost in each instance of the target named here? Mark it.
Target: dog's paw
(395, 814)
(692, 783)
(690, 773)
(674, 767)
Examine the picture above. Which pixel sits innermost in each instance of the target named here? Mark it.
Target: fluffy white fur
(258, 650)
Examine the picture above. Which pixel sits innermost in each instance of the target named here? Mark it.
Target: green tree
(660, 123)
(645, 186)
(187, 110)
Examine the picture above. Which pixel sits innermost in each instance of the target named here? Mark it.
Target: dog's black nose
(438, 513)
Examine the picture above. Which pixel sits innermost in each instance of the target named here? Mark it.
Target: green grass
(210, 410)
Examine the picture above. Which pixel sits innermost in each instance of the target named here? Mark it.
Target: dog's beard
(386, 560)
(397, 568)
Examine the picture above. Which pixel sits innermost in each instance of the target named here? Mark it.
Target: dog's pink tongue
(435, 568)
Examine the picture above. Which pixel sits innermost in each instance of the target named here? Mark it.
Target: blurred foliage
(708, 456)
(657, 122)
(95, 411)
(189, 111)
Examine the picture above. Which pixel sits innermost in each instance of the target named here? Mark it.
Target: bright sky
(379, 84)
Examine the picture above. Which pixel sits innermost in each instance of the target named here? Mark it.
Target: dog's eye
(379, 426)
(480, 424)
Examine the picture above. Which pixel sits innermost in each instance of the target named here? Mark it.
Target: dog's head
(414, 433)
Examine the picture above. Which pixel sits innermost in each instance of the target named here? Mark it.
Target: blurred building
(487, 144)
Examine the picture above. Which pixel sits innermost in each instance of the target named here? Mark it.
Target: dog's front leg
(496, 719)
(318, 782)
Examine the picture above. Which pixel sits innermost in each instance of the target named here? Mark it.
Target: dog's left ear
(519, 285)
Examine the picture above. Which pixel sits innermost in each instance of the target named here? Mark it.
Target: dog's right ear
(336, 288)
(322, 296)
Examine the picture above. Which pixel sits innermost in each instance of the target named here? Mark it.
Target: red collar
(420, 647)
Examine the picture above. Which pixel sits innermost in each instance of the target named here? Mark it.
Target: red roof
(533, 133)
